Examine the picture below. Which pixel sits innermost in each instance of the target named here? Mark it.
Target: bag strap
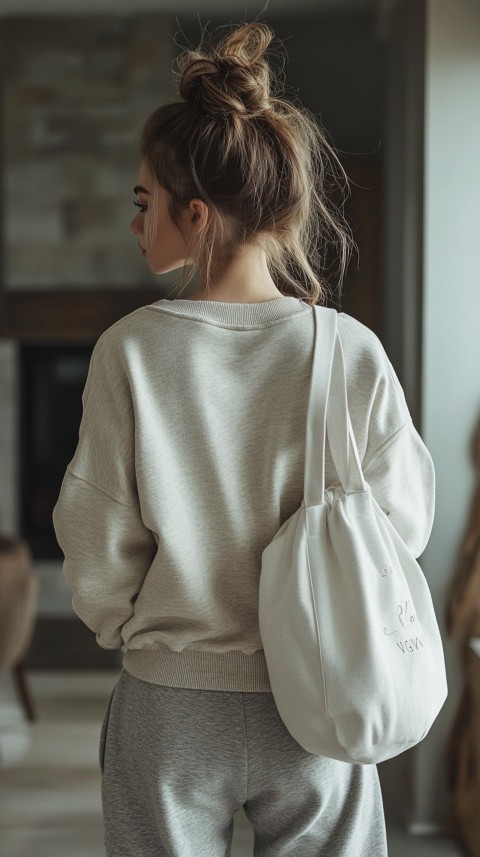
(328, 414)
(341, 438)
(325, 331)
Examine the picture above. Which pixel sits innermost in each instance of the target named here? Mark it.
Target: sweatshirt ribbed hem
(200, 670)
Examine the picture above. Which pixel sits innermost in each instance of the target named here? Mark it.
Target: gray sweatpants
(178, 763)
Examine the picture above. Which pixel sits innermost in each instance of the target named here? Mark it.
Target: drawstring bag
(347, 623)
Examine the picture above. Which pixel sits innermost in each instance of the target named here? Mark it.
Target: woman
(191, 456)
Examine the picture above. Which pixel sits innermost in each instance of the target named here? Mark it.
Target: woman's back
(200, 407)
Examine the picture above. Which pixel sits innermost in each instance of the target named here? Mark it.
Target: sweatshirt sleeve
(402, 479)
(395, 461)
(107, 548)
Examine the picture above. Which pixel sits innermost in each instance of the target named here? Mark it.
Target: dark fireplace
(52, 379)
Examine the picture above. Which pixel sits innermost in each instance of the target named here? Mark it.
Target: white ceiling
(242, 8)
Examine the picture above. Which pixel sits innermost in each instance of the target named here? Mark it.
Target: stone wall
(76, 92)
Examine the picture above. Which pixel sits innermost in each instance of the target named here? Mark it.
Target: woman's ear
(197, 214)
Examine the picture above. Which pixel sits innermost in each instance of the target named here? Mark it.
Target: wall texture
(76, 92)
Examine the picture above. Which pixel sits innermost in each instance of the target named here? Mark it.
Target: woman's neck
(246, 279)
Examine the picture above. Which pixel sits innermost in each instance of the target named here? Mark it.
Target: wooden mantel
(67, 316)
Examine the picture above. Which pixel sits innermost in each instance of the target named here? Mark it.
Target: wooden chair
(463, 623)
(18, 601)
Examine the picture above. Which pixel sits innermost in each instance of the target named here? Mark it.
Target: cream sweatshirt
(190, 457)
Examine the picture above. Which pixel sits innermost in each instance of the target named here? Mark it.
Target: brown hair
(261, 163)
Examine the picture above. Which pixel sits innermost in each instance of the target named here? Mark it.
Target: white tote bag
(347, 623)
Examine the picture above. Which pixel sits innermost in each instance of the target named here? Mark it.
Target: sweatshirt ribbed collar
(227, 312)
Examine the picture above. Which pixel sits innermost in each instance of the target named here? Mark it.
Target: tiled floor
(50, 804)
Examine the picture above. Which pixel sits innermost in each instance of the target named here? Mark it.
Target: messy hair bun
(261, 163)
(231, 77)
